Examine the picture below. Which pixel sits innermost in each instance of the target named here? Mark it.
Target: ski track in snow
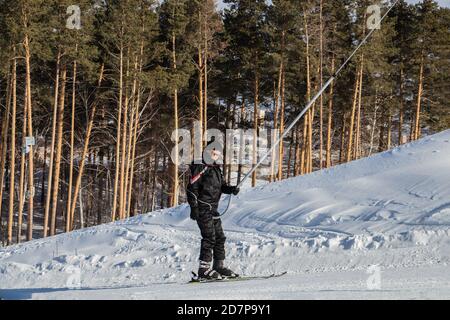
(325, 229)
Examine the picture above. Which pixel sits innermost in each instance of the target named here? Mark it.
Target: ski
(235, 279)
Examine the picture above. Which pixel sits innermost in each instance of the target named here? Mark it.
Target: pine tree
(173, 23)
(246, 21)
(427, 25)
(404, 28)
(283, 19)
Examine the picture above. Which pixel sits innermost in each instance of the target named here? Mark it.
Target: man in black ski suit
(205, 188)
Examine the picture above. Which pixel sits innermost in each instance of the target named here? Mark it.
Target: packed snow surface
(373, 228)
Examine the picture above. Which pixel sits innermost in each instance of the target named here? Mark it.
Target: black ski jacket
(205, 188)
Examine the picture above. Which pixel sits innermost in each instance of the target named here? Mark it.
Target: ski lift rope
(307, 107)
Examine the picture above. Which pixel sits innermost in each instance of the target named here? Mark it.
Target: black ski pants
(213, 237)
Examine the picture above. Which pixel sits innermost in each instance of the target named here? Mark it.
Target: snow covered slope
(326, 229)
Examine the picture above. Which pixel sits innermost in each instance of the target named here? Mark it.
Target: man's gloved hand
(235, 190)
(194, 213)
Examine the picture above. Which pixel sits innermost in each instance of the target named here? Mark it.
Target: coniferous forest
(90, 93)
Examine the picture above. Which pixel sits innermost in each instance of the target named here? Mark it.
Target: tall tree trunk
(119, 124)
(128, 153)
(275, 121)
(297, 153)
(304, 144)
(412, 127)
(279, 98)
(30, 134)
(132, 140)
(283, 109)
(22, 176)
(311, 112)
(52, 147)
(13, 153)
(389, 133)
(59, 144)
(357, 152)
(205, 101)
(91, 186)
(401, 115)
(343, 131)
(419, 99)
(83, 155)
(233, 125)
(321, 85)
(155, 173)
(289, 164)
(11, 94)
(133, 160)
(164, 170)
(307, 146)
(255, 127)
(309, 158)
(330, 117)
(200, 78)
(381, 143)
(122, 187)
(374, 123)
(108, 182)
(352, 120)
(137, 103)
(299, 150)
(241, 142)
(100, 186)
(72, 142)
(82, 225)
(225, 165)
(175, 97)
(352, 150)
(44, 169)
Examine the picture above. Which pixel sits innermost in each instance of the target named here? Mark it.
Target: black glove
(230, 190)
(194, 213)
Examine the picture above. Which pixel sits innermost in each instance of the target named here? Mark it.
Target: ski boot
(206, 273)
(224, 272)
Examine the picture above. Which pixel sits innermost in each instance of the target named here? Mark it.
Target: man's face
(215, 155)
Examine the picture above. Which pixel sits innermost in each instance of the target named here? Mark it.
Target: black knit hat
(210, 142)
